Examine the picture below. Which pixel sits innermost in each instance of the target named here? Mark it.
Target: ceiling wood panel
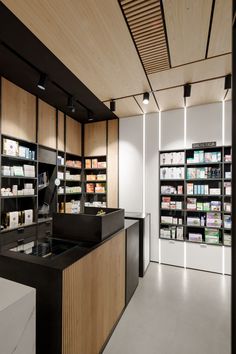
(91, 38)
(170, 99)
(221, 33)
(150, 34)
(206, 92)
(126, 107)
(147, 108)
(187, 24)
(202, 70)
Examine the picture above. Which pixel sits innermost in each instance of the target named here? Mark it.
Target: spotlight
(112, 105)
(187, 90)
(42, 82)
(90, 116)
(145, 98)
(228, 81)
(71, 103)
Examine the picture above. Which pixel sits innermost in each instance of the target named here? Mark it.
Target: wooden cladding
(46, 125)
(93, 297)
(146, 24)
(61, 130)
(18, 112)
(73, 136)
(95, 139)
(112, 164)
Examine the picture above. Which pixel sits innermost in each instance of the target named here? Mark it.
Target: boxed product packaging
(173, 232)
(199, 206)
(94, 163)
(227, 207)
(165, 233)
(215, 205)
(190, 188)
(88, 163)
(29, 170)
(14, 219)
(10, 147)
(100, 188)
(101, 177)
(89, 187)
(6, 171)
(102, 164)
(166, 219)
(227, 186)
(91, 177)
(18, 171)
(212, 236)
(179, 233)
(180, 189)
(174, 221)
(227, 239)
(227, 158)
(191, 203)
(228, 174)
(227, 221)
(193, 221)
(214, 220)
(214, 191)
(195, 237)
(60, 175)
(27, 216)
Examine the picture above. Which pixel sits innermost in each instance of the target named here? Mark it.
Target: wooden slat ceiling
(121, 48)
(145, 21)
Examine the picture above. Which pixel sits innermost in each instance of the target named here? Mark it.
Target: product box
(27, 216)
(88, 163)
(102, 164)
(214, 191)
(91, 177)
(101, 177)
(214, 220)
(100, 188)
(190, 188)
(179, 233)
(193, 221)
(14, 219)
(89, 187)
(29, 170)
(227, 221)
(228, 175)
(191, 203)
(180, 190)
(227, 240)
(227, 207)
(166, 219)
(200, 206)
(10, 147)
(18, 171)
(165, 233)
(212, 236)
(94, 163)
(195, 237)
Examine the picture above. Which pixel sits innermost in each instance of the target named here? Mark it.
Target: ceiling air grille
(145, 21)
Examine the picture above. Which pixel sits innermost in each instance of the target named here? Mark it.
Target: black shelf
(172, 180)
(203, 163)
(19, 177)
(203, 211)
(204, 227)
(95, 169)
(17, 158)
(173, 165)
(18, 227)
(172, 195)
(74, 168)
(18, 196)
(104, 181)
(95, 193)
(204, 195)
(171, 239)
(204, 179)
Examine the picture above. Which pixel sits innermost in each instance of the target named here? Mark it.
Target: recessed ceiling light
(146, 98)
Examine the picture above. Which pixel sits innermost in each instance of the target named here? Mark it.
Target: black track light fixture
(146, 98)
(71, 103)
(228, 80)
(187, 90)
(90, 116)
(112, 105)
(42, 81)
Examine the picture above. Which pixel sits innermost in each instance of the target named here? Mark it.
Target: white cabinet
(172, 252)
(227, 260)
(204, 257)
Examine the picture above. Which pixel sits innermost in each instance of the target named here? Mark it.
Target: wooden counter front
(93, 297)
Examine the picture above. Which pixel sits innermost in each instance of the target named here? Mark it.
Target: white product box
(28, 216)
(195, 237)
(13, 219)
(166, 219)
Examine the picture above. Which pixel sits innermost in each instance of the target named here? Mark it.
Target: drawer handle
(203, 246)
(48, 232)
(21, 230)
(172, 242)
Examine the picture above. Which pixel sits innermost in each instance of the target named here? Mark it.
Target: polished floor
(175, 311)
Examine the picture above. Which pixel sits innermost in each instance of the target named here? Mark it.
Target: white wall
(172, 129)
(131, 163)
(204, 123)
(152, 178)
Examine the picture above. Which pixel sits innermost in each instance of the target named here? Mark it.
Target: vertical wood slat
(93, 297)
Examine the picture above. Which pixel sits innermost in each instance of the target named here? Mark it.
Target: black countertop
(135, 215)
(61, 261)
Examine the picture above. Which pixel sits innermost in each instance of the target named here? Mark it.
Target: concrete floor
(175, 311)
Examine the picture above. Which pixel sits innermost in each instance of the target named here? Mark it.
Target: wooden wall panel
(112, 158)
(18, 112)
(46, 125)
(73, 136)
(95, 139)
(60, 138)
(93, 297)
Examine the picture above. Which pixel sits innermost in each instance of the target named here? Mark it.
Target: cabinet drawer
(45, 229)
(172, 252)
(17, 234)
(204, 257)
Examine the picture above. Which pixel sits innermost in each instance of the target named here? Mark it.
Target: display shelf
(172, 180)
(203, 211)
(171, 239)
(18, 227)
(19, 177)
(17, 196)
(167, 209)
(204, 179)
(203, 227)
(205, 243)
(203, 163)
(172, 195)
(10, 157)
(97, 181)
(205, 195)
(95, 193)
(73, 168)
(173, 165)
(95, 169)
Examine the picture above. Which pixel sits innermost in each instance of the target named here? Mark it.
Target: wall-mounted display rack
(195, 195)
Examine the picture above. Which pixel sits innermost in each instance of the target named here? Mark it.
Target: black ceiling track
(23, 57)
(210, 27)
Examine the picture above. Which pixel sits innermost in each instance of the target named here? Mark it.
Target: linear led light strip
(144, 163)
(159, 135)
